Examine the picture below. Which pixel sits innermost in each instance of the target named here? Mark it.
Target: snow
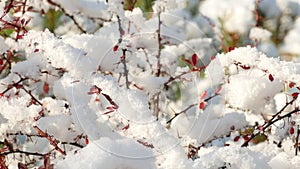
(233, 157)
(259, 34)
(235, 17)
(254, 94)
(17, 117)
(3, 46)
(120, 97)
(107, 153)
(270, 8)
(29, 68)
(291, 41)
(91, 8)
(289, 6)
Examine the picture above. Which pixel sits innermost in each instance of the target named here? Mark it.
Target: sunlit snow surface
(117, 125)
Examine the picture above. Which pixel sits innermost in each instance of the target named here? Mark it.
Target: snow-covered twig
(158, 65)
(51, 141)
(67, 14)
(270, 122)
(123, 61)
(183, 111)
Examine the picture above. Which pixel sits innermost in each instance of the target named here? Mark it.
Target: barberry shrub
(149, 84)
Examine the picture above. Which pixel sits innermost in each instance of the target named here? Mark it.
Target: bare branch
(158, 65)
(67, 14)
(51, 141)
(270, 122)
(183, 111)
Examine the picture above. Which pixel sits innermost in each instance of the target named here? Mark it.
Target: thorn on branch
(183, 111)
(97, 90)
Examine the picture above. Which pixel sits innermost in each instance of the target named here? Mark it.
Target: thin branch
(51, 141)
(7, 61)
(211, 97)
(73, 144)
(38, 135)
(281, 110)
(2, 163)
(190, 106)
(16, 84)
(32, 97)
(22, 152)
(123, 61)
(110, 100)
(123, 57)
(158, 65)
(269, 123)
(258, 17)
(183, 111)
(9, 146)
(67, 14)
(155, 99)
(147, 59)
(171, 79)
(297, 141)
(121, 31)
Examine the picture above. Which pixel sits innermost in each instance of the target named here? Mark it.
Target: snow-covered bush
(149, 84)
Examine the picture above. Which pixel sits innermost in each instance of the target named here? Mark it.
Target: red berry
(245, 138)
(295, 95)
(115, 48)
(292, 130)
(230, 48)
(86, 140)
(271, 78)
(291, 84)
(202, 105)
(236, 138)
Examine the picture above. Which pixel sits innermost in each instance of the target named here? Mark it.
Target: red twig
(110, 100)
(51, 141)
(16, 84)
(270, 122)
(191, 106)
